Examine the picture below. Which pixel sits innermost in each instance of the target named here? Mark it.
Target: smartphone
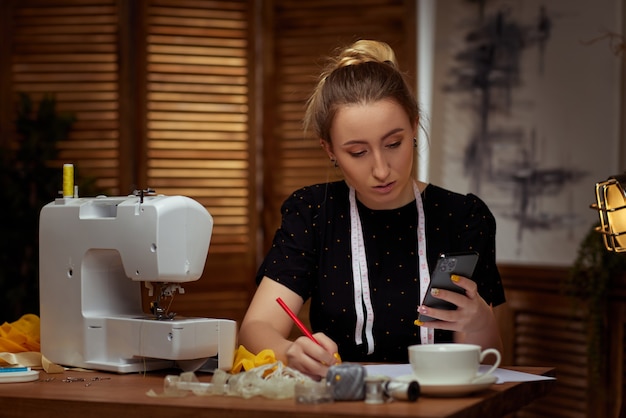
(462, 264)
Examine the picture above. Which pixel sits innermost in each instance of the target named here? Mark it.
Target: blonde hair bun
(366, 50)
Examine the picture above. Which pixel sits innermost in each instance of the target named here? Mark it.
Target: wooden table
(124, 396)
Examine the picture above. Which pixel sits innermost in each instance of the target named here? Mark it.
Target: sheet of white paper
(504, 375)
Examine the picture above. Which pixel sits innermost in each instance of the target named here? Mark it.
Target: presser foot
(160, 313)
(166, 291)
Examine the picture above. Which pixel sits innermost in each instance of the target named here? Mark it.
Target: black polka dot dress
(311, 255)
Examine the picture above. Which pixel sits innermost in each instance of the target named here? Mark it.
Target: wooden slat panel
(68, 49)
(547, 328)
(161, 92)
(198, 103)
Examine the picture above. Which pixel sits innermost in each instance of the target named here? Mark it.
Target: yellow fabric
(20, 344)
(245, 360)
(21, 335)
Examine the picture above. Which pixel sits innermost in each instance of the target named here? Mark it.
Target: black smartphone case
(462, 264)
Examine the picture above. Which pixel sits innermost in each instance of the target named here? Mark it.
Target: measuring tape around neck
(362, 297)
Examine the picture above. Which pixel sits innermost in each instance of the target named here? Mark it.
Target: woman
(361, 248)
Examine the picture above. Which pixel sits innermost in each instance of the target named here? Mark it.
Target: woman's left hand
(473, 318)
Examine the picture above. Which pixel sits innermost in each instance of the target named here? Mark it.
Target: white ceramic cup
(450, 364)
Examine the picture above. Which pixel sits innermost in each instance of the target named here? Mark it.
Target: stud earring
(332, 160)
(414, 142)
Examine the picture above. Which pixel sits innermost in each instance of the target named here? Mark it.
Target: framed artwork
(526, 114)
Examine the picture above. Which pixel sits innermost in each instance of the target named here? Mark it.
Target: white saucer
(446, 390)
(16, 377)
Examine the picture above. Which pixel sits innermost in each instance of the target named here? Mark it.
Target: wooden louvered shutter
(550, 332)
(161, 92)
(305, 32)
(541, 326)
(199, 135)
(198, 127)
(69, 49)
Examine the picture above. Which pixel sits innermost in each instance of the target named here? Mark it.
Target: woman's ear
(328, 148)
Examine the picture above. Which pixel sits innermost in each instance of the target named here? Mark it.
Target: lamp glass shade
(611, 206)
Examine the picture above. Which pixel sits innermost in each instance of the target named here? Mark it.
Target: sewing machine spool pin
(141, 193)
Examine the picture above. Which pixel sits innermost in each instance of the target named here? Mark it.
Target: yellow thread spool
(68, 180)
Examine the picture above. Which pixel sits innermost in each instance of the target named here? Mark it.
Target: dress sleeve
(292, 258)
(456, 223)
(479, 234)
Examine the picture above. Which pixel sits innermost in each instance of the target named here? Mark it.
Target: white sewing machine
(94, 254)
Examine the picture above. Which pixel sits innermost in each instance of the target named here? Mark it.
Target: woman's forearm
(259, 335)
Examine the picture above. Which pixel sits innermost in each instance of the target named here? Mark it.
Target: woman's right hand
(310, 358)
(267, 326)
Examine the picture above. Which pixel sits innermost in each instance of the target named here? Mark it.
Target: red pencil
(302, 327)
(297, 321)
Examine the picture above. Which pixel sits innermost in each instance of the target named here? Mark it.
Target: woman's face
(373, 146)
